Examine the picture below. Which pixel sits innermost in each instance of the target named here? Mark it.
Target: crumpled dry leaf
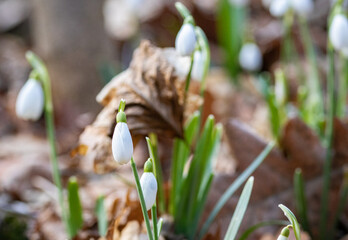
(273, 179)
(153, 88)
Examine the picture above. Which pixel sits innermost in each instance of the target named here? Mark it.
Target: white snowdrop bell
(302, 7)
(250, 57)
(185, 41)
(278, 8)
(148, 184)
(30, 101)
(338, 32)
(122, 144)
(198, 66)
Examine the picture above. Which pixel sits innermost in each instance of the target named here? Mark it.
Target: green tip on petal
(121, 117)
(285, 232)
(148, 167)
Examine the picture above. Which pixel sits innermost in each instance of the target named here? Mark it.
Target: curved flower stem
(142, 200)
(188, 79)
(41, 73)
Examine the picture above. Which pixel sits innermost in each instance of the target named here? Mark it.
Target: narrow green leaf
(234, 186)
(293, 221)
(159, 226)
(75, 209)
(101, 216)
(300, 198)
(239, 212)
(250, 230)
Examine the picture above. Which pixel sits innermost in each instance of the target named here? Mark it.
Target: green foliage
(234, 187)
(101, 216)
(75, 210)
(230, 24)
(13, 228)
(292, 219)
(253, 228)
(240, 210)
(300, 198)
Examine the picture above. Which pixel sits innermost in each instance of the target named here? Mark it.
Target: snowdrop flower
(302, 7)
(30, 100)
(338, 32)
(279, 7)
(122, 144)
(284, 235)
(250, 57)
(198, 65)
(185, 41)
(148, 185)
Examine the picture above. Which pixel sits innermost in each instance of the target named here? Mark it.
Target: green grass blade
(101, 216)
(293, 221)
(300, 198)
(239, 212)
(252, 229)
(75, 209)
(159, 226)
(234, 186)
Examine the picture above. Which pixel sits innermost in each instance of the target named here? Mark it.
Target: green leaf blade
(293, 221)
(75, 209)
(101, 216)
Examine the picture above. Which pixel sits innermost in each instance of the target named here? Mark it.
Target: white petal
(279, 7)
(338, 32)
(345, 52)
(281, 237)
(198, 66)
(122, 144)
(149, 187)
(266, 3)
(185, 41)
(250, 57)
(302, 7)
(30, 101)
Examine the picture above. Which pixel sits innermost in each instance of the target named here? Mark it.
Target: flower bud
(302, 7)
(122, 144)
(185, 41)
(250, 57)
(198, 66)
(148, 185)
(284, 235)
(279, 7)
(338, 32)
(30, 101)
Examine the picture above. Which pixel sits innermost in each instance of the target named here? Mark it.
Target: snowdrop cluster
(30, 101)
(284, 235)
(185, 42)
(148, 184)
(278, 8)
(338, 33)
(122, 144)
(250, 57)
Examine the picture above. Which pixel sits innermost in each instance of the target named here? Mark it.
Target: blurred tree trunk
(70, 36)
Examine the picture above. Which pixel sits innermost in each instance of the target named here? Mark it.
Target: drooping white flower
(30, 101)
(338, 32)
(250, 57)
(185, 41)
(122, 144)
(198, 66)
(302, 7)
(148, 184)
(279, 7)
